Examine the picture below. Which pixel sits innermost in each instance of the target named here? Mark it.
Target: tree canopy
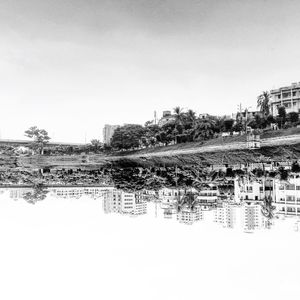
(40, 137)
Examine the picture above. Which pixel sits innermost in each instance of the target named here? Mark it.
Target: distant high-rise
(108, 132)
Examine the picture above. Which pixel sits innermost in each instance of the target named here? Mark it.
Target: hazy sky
(70, 66)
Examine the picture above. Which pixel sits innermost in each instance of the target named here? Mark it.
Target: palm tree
(191, 117)
(205, 128)
(263, 103)
(179, 115)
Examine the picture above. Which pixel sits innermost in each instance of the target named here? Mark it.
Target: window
(290, 187)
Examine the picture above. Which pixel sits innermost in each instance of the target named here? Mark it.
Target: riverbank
(274, 147)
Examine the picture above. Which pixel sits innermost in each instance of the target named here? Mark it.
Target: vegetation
(185, 126)
(40, 138)
(263, 103)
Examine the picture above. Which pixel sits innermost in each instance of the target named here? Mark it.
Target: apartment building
(166, 118)
(247, 189)
(117, 201)
(188, 215)
(170, 196)
(108, 132)
(287, 196)
(208, 197)
(288, 96)
(246, 216)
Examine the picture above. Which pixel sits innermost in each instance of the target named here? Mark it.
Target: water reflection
(250, 204)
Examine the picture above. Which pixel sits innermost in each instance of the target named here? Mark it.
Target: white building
(78, 192)
(108, 132)
(166, 118)
(19, 193)
(209, 197)
(251, 216)
(245, 216)
(247, 189)
(288, 96)
(117, 201)
(226, 214)
(169, 196)
(188, 215)
(287, 196)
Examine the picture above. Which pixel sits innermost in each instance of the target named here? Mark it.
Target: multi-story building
(108, 132)
(247, 189)
(78, 192)
(246, 216)
(287, 196)
(251, 217)
(117, 201)
(189, 215)
(166, 118)
(226, 214)
(288, 96)
(170, 196)
(208, 198)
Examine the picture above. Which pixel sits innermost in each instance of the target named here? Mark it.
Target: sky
(71, 66)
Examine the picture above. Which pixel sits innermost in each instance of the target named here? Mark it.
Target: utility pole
(155, 120)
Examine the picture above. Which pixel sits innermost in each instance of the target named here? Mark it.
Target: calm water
(105, 243)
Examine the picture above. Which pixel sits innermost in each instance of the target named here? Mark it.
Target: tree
(293, 117)
(128, 137)
(270, 120)
(166, 135)
(96, 144)
(191, 118)
(295, 167)
(228, 124)
(281, 116)
(205, 129)
(263, 103)
(40, 138)
(238, 126)
(38, 193)
(258, 122)
(179, 117)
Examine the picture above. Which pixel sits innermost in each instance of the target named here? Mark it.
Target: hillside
(278, 145)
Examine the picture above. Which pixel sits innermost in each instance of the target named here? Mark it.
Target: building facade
(288, 96)
(166, 118)
(108, 132)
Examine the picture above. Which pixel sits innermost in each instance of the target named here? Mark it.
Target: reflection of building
(189, 215)
(169, 212)
(19, 193)
(288, 96)
(246, 216)
(208, 198)
(170, 196)
(287, 196)
(78, 192)
(226, 214)
(252, 189)
(117, 201)
(252, 217)
(108, 132)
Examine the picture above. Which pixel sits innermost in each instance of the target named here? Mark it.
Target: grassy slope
(164, 155)
(214, 142)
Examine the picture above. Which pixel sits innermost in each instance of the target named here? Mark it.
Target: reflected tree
(39, 193)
